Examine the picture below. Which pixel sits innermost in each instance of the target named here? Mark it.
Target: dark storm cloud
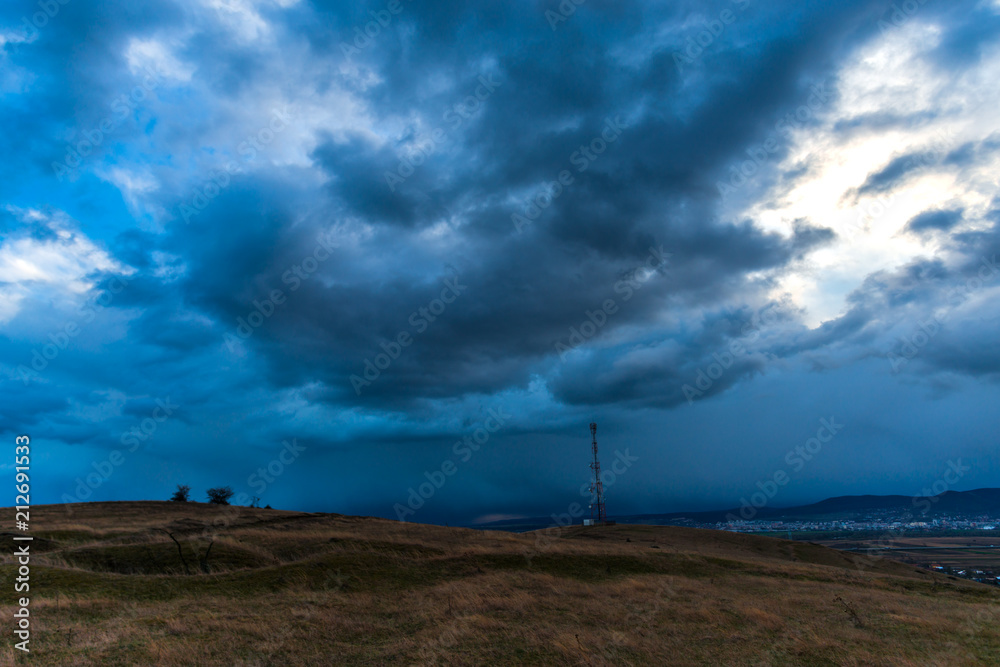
(806, 237)
(981, 244)
(974, 152)
(651, 375)
(650, 188)
(896, 172)
(913, 318)
(940, 220)
(641, 218)
(971, 31)
(26, 408)
(73, 62)
(357, 179)
(637, 195)
(974, 354)
(880, 121)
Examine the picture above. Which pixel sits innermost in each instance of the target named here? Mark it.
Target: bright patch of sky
(888, 77)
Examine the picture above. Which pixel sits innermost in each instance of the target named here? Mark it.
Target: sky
(392, 258)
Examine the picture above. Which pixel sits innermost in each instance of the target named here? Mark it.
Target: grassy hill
(109, 587)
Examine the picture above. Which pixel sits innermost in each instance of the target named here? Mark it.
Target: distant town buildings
(874, 523)
(870, 521)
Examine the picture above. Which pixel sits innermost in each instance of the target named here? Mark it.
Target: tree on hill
(182, 494)
(220, 495)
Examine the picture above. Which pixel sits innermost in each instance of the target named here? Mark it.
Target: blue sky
(393, 258)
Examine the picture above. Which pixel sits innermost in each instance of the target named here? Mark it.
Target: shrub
(182, 494)
(220, 495)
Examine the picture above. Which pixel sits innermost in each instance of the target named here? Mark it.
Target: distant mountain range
(953, 503)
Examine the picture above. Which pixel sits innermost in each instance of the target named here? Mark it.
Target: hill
(951, 503)
(111, 586)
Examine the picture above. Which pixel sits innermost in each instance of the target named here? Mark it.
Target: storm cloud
(365, 227)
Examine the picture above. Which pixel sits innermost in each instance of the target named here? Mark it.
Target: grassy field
(109, 586)
(927, 550)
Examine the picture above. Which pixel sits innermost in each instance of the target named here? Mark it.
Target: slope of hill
(111, 586)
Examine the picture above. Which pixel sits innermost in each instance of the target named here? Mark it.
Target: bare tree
(182, 494)
(180, 551)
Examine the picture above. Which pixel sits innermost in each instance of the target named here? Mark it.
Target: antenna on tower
(597, 515)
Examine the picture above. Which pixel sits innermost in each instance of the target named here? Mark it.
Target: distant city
(954, 532)
(885, 521)
(953, 550)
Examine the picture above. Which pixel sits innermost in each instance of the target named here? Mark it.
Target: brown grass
(289, 588)
(986, 559)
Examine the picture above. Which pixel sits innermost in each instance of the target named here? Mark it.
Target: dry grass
(288, 588)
